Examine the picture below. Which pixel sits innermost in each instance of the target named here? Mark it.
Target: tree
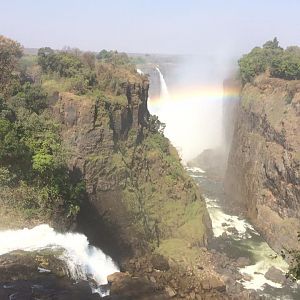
(88, 58)
(46, 58)
(286, 65)
(31, 97)
(10, 52)
(273, 44)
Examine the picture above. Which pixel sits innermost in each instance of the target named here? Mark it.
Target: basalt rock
(138, 194)
(39, 275)
(263, 175)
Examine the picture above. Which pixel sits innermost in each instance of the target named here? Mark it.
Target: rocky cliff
(138, 195)
(263, 175)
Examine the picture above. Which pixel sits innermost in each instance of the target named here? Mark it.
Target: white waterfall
(83, 261)
(164, 93)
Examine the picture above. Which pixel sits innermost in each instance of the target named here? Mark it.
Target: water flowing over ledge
(83, 260)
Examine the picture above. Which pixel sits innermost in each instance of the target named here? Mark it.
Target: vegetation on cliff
(267, 144)
(34, 177)
(272, 58)
(69, 117)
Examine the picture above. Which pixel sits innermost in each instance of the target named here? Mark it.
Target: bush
(286, 65)
(31, 97)
(258, 60)
(280, 63)
(10, 52)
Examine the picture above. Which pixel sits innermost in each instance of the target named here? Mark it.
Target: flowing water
(164, 92)
(83, 260)
(236, 237)
(233, 235)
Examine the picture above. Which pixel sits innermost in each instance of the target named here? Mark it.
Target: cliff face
(231, 88)
(263, 175)
(139, 196)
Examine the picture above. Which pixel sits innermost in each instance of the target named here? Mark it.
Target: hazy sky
(152, 26)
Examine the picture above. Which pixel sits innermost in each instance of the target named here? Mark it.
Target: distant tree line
(105, 71)
(271, 58)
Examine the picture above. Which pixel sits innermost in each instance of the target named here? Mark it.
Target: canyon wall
(263, 174)
(138, 194)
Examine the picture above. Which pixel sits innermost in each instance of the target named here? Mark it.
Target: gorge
(95, 164)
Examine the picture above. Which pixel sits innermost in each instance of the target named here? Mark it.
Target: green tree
(46, 59)
(10, 52)
(273, 44)
(31, 97)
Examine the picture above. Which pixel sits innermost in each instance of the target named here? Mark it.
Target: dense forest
(272, 58)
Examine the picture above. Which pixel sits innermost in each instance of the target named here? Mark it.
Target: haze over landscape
(149, 150)
(226, 28)
(215, 33)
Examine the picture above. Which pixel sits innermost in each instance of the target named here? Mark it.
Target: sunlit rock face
(263, 172)
(133, 202)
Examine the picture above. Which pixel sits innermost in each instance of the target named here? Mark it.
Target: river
(236, 237)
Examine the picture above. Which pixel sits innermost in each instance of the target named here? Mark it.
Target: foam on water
(194, 170)
(245, 236)
(265, 258)
(221, 222)
(82, 259)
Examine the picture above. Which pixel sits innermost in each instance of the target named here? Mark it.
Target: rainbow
(196, 94)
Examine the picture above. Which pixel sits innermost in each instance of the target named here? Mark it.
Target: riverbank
(240, 254)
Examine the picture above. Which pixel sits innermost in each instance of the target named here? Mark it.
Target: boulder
(276, 275)
(171, 293)
(159, 262)
(117, 276)
(242, 262)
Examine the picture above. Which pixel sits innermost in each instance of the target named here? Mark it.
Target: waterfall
(83, 260)
(164, 93)
(140, 71)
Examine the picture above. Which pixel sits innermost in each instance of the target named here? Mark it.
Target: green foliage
(280, 63)
(157, 141)
(286, 65)
(258, 60)
(84, 73)
(10, 52)
(294, 270)
(274, 44)
(31, 97)
(64, 63)
(155, 125)
(5, 177)
(113, 57)
(33, 173)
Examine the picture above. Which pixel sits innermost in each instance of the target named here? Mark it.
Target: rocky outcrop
(39, 275)
(231, 88)
(263, 175)
(138, 194)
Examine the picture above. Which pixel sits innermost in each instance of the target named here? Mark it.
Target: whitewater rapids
(83, 260)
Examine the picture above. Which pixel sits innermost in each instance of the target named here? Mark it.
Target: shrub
(10, 52)
(281, 63)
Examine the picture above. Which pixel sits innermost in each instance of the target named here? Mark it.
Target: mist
(192, 111)
(211, 35)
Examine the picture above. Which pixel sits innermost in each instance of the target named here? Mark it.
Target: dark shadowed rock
(159, 262)
(20, 278)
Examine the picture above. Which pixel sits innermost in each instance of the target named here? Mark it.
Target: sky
(215, 33)
(151, 26)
